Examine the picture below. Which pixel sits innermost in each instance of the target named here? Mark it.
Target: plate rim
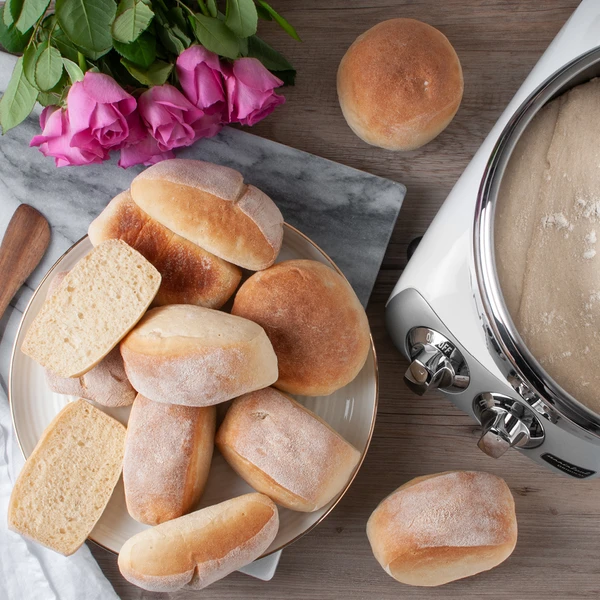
(373, 417)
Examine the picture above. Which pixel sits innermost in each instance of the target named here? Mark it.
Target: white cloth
(29, 571)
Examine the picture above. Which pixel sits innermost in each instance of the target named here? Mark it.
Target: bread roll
(190, 275)
(202, 547)
(212, 207)
(67, 481)
(106, 383)
(168, 450)
(196, 356)
(439, 528)
(317, 326)
(285, 451)
(100, 300)
(400, 84)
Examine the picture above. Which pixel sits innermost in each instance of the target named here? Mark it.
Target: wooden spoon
(25, 241)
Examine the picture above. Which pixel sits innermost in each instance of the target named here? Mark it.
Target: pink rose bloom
(250, 95)
(144, 152)
(172, 120)
(201, 79)
(102, 114)
(56, 141)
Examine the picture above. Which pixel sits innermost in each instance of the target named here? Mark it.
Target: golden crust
(190, 275)
(317, 326)
(400, 84)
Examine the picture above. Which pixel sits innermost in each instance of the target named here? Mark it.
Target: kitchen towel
(349, 213)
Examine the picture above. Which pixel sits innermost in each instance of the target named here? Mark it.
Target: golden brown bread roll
(317, 326)
(211, 206)
(400, 84)
(168, 450)
(285, 451)
(190, 275)
(183, 354)
(439, 528)
(200, 548)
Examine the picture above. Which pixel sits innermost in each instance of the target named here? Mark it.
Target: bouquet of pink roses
(142, 77)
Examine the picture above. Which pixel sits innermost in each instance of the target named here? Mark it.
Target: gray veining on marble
(348, 213)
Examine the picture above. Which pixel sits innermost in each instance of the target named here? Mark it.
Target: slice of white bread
(99, 301)
(211, 206)
(106, 383)
(190, 274)
(183, 354)
(67, 481)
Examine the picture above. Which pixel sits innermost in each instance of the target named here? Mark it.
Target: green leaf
(30, 58)
(288, 76)
(215, 36)
(142, 52)
(48, 68)
(170, 41)
(279, 20)
(49, 99)
(87, 23)
(12, 10)
(59, 40)
(241, 17)
(30, 13)
(268, 56)
(91, 54)
(18, 99)
(73, 70)
(263, 13)
(156, 74)
(11, 39)
(133, 17)
(212, 7)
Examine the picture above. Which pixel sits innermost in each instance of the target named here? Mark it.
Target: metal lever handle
(429, 369)
(502, 430)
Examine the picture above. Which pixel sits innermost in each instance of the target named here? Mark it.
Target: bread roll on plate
(196, 356)
(400, 84)
(439, 528)
(99, 301)
(190, 275)
(168, 450)
(317, 326)
(200, 548)
(212, 207)
(106, 383)
(285, 451)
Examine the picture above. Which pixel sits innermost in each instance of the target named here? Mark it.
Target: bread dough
(546, 230)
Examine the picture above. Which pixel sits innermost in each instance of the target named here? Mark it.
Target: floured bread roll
(550, 273)
(439, 528)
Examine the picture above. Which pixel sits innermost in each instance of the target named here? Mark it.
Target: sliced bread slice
(99, 301)
(67, 481)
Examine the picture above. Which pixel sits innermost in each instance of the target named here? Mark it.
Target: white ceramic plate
(350, 411)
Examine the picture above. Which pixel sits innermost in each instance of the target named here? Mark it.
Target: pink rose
(250, 95)
(172, 120)
(201, 79)
(56, 140)
(144, 152)
(102, 114)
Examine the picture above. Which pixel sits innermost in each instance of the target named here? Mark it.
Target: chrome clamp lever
(506, 424)
(435, 363)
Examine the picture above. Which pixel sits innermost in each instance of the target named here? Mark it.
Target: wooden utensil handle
(25, 241)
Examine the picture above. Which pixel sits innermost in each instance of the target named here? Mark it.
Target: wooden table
(498, 42)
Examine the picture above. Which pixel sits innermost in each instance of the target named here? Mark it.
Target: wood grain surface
(498, 42)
